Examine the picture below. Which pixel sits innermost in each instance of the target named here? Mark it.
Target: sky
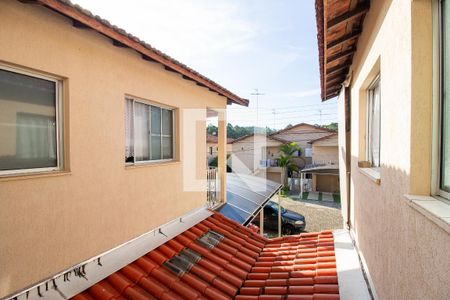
(243, 45)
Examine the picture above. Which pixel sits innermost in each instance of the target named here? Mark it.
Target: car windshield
(275, 207)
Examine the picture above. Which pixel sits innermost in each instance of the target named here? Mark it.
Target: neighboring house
(99, 134)
(212, 146)
(258, 154)
(302, 134)
(390, 70)
(324, 169)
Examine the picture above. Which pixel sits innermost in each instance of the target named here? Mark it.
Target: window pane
(129, 134)
(445, 156)
(375, 130)
(156, 120)
(141, 131)
(156, 147)
(27, 122)
(167, 147)
(373, 124)
(167, 122)
(156, 132)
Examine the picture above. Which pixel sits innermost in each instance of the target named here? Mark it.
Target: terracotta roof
(298, 125)
(339, 24)
(269, 136)
(323, 138)
(221, 259)
(213, 139)
(82, 18)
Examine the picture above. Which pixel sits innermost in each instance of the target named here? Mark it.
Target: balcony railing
(213, 187)
(266, 163)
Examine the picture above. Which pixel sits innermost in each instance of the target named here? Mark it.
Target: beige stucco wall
(49, 223)
(325, 154)
(406, 253)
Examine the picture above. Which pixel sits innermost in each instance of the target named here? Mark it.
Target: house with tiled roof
(388, 64)
(258, 154)
(212, 146)
(99, 143)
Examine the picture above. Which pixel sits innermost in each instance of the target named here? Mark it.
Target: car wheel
(288, 229)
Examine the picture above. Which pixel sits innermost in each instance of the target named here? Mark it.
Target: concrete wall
(51, 222)
(405, 252)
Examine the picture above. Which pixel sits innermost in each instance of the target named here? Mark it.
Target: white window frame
(369, 98)
(58, 118)
(437, 104)
(161, 106)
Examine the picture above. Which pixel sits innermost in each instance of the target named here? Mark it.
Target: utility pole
(274, 117)
(257, 94)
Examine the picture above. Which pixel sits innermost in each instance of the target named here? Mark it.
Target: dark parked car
(291, 222)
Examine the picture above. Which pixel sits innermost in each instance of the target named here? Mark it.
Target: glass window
(148, 132)
(28, 122)
(373, 124)
(445, 99)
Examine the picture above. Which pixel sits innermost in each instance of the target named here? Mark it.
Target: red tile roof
(213, 139)
(221, 259)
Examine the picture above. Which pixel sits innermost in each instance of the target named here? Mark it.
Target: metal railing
(212, 187)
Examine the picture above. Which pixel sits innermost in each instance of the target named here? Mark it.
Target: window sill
(151, 164)
(434, 209)
(372, 173)
(33, 175)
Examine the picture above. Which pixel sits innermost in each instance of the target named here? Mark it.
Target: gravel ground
(319, 215)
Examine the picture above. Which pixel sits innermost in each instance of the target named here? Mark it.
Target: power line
(288, 107)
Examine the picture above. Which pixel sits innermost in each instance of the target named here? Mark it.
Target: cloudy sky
(269, 45)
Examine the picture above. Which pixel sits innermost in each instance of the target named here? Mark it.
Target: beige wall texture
(325, 154)
(51, 222)
(407, 255)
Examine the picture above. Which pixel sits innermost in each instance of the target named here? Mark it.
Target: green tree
(285, 160)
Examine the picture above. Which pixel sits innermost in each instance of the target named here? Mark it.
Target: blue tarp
(246, 195)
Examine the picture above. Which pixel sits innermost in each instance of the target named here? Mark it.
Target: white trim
(59, 119)
(434, 208)
(364, 266)
(352, 284)
(111, 260)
